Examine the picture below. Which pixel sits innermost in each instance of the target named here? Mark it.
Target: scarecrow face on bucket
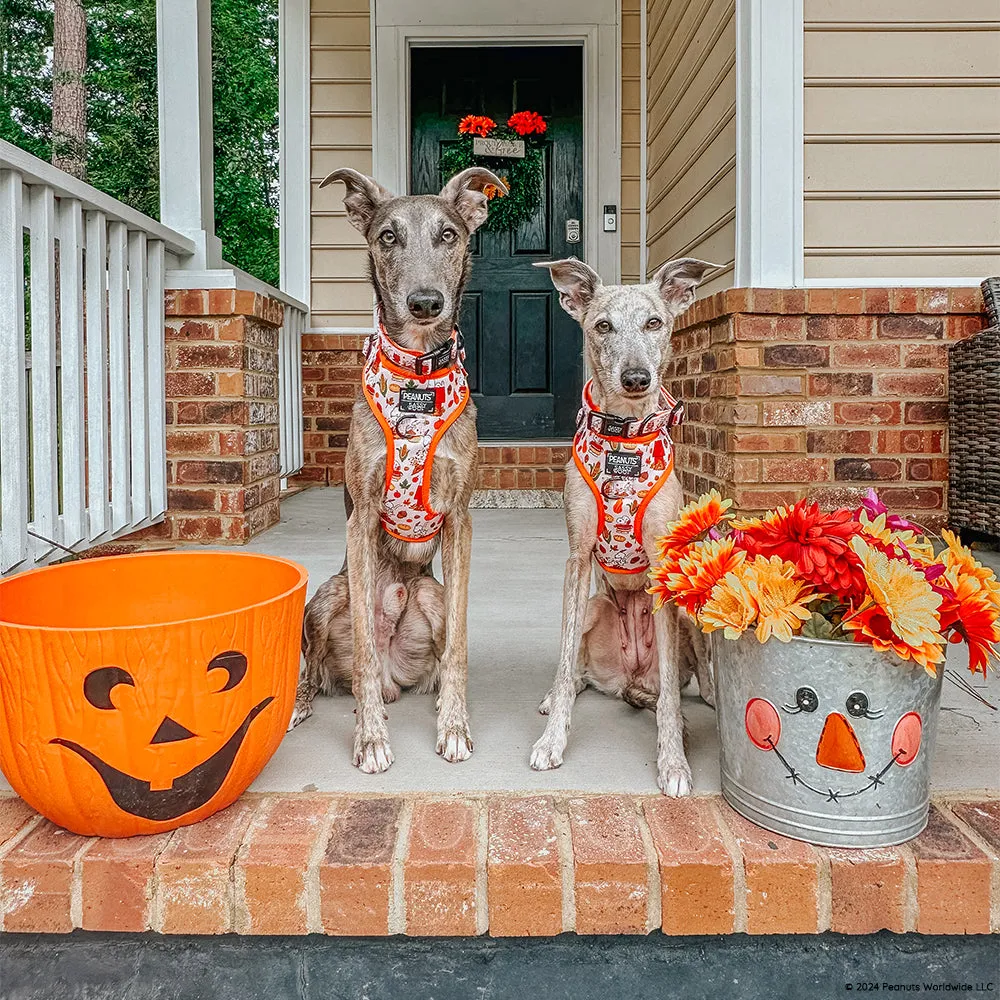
(853, 739)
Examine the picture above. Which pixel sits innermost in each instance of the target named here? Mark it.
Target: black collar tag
(623, 464)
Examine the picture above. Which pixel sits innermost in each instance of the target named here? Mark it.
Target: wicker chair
(974, 428)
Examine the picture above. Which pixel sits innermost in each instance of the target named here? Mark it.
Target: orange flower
(875, 627)
(957, 556)
(527, 123)
(492, 191)
(687, 576)
(968, 614)
(695, 519)
(476, 125)
(781, 599)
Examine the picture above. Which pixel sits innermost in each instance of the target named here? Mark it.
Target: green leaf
(817, 628)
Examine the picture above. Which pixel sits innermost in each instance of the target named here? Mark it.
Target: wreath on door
(522, 174)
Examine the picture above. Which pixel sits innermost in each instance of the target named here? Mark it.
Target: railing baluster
(74, 454)
(138, 375)
(283, 396)
(13, 405)
(97, 372)
(118, 374)
(299, 445)
(44, 337)
(157, 379)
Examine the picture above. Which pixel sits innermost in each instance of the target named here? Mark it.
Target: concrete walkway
(514, 620)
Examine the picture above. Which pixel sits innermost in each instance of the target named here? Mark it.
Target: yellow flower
(780, 598)
(902, 540)
(695, 519)
(730, 608)
(902, 594)
(687, 576)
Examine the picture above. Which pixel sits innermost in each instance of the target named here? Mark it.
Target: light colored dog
(612, 641)
(406, 629)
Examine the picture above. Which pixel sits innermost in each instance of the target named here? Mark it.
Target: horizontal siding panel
(335, 230)
(929, 267)
(900, 11)
(905, 110)
(323, 161)
(346, 262)
(931, 224)
(340, 7)
(341, 64)
(907, 54)
(341, 32)
(341, 130)
(342, 296)
(928, 166)
(350, 97)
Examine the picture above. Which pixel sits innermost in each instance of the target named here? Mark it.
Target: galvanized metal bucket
(827, 742)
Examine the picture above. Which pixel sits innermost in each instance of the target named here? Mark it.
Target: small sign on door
(498, 147)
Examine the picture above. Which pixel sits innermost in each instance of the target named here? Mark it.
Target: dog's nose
(425, 303)
(636, 380)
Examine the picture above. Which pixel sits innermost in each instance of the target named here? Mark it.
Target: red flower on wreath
(527, 123)
(477, 125)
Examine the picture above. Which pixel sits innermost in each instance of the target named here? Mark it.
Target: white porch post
(769, 132)
(187, 174)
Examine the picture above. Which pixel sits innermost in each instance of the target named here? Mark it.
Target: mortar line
(481, 831)
(76, 884)
(397, 893)
(732, 845)
(567, 871)
(153, 887)
(824, 890)
(241, 920)
(314, 896)
(654, 904)
(910, 904)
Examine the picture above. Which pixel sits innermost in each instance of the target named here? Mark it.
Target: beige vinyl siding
(691, 157)
(902, 139)
(631, 196)
(341, 122)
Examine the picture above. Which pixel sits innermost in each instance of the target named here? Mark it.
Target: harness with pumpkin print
(415, 398)
(624, 461)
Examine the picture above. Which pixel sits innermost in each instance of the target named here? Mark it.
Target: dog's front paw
(675, 780)
(372, 753)
(454, 743)
(390, 692)
(547, 753)
(300, 713)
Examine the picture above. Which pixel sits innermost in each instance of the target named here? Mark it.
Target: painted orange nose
(838, 747)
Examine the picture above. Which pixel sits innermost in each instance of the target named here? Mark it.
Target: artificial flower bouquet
(858, 575)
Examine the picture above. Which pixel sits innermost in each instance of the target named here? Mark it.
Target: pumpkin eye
(806, 699)
(234, 663)
(97, 686)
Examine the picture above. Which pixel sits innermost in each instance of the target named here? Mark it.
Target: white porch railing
(82, 433)
(290, 445)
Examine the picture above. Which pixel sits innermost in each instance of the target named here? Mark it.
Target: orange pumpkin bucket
(144, 692)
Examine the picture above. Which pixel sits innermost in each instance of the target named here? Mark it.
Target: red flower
(527, 123)
(477, 125)
(817, 542)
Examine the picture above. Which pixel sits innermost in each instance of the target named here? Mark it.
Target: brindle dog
(407, 629)
(608, 641)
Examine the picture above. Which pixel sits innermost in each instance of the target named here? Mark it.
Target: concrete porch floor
(514, 622)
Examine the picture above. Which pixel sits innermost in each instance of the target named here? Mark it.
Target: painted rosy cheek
(763, 724)
(906, 739)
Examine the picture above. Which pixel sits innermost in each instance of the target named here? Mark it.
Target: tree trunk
(69, 94)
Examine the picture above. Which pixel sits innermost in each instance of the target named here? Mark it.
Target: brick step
(542, 865)
(523, 466)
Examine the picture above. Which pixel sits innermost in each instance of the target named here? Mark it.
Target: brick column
(222, 415)
(820, 393)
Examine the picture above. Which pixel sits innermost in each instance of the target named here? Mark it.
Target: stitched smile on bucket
(838, 748)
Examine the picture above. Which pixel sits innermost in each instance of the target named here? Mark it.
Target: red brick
(927, 413)
(274, 865)
(953, 880)
(934, 300)
(524, 885)
(15, 814)
(190, 384)
(910, 328)
(186, 302)
(186, 500)
(865, 356)
(609, 862)
(841, 442)
(966, 300)
(923, 470)
(796, 470)
(796, 356)
(36, 881)
(440, 873)
(911, 442)
(840, 384)
(781, 877)
(866, 414)
(868, 891)
(983, 817)
(751, 327)
(767, 300)
(696, 871)
(791, 413)
(215, 472)
(768, 385)
(211, 356)
(793, 300)
(220, 301)
(849, 300)
(876, 300)
(911, 384)
(839, 328)
(773, 441)
(863, 470)
(191, 443)
(355, 874)
(117, 878)
(821, 300)
(194, 877)
(925, 356)
(908, 498)
(903, 300)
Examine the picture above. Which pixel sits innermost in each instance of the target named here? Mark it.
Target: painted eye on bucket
(857, 705)
(806, 700)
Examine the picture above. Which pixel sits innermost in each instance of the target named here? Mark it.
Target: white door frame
(399, 25)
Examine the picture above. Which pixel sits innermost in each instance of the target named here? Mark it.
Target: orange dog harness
(624, 461)
(415, 398)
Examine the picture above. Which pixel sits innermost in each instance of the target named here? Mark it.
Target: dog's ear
(677, 280)
(466, 192)
(576, 283)
(363, 197)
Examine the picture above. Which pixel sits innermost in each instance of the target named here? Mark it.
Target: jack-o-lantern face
(185, 792)
(141, 693)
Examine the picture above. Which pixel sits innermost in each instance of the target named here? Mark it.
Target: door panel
(523, 351)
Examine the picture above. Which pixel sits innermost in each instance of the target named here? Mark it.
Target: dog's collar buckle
(670, 414)
(448, 355)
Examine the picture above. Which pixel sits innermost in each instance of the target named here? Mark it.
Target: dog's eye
(603, 327)
(806, 699)
(387, 237)
(654, 323)
(448, 236)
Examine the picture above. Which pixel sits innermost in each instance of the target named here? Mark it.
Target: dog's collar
(670, 414)
(448, 355)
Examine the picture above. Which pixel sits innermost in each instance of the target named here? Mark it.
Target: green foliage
(122, 110)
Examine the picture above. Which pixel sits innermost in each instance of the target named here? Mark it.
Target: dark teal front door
(524, 352)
